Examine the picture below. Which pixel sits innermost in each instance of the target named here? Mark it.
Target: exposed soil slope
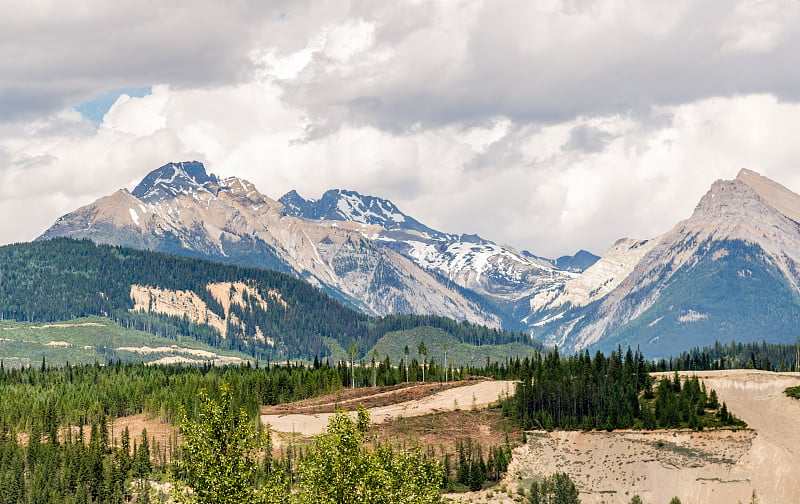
(699, 467)
(475, 395)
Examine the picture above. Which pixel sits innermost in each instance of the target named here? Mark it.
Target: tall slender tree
(423, 353)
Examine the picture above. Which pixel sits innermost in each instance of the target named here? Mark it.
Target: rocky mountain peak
(777, 196)
(749, 207)
(341, 204)
(577, 263)
(173, 179)
(345, 205)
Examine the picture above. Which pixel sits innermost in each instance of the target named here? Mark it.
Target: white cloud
(550, 126)
(758, 26)
(138, 116)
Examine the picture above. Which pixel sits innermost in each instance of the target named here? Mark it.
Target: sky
(550, 126)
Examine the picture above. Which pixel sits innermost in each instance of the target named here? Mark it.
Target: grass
(793, 392)
(85, 341)
(394, 343)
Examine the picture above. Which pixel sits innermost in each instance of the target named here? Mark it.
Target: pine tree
(557, 488)
(142, 466)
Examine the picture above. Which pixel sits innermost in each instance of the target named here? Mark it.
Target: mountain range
(360, 249)
(730, 271)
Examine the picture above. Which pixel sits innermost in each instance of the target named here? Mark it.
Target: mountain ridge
(739, 234)
(231, 221)
(365, 251)
(362, 249)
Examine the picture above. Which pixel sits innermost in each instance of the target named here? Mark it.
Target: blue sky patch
(95, 108)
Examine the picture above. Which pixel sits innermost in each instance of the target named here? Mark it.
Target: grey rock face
(730, 271)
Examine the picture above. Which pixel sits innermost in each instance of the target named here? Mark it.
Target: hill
(435, 340)
(97, 339)
(262, 313)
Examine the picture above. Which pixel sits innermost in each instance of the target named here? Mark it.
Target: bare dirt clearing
(470, 396)
(370, 397)
(698, 467)
(161, 436)
(441, 432)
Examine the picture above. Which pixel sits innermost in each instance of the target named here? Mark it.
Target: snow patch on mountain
(692, 316)
(174, 179)
(459, 256)
(344, 205)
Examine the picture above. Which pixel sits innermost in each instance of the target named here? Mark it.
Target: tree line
(735, 355)
(614, 392)
(80, 465)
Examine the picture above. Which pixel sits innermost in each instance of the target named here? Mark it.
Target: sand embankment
(706, 467)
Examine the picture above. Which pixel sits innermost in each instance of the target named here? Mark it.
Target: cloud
(545, 61)
(550, 126)
(96, 108)
(523, 185)
(400, 65)
(587, 139)
(56, 54)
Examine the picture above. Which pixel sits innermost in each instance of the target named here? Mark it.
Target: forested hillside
(265, 314)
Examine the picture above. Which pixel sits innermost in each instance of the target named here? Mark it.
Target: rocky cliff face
(503, 278)
(180, 209)
(730, 271)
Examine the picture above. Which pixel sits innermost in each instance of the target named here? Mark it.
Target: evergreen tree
(557, 488)
(142, 466)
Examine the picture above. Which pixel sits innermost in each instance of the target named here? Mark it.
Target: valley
(448, 252)
(350, 290)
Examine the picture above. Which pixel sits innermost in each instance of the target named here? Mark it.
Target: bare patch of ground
(177, 358)
(394, 405)
(61, 326)
(161, 436)
(440, 432)
(721, 466)
(369, 397)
